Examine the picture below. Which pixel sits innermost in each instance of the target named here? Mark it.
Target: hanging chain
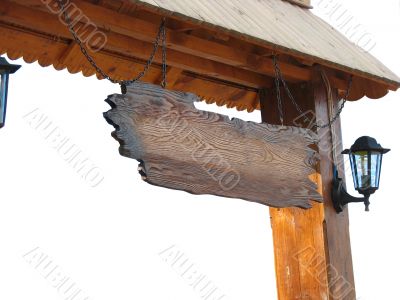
(279, 78)
(161, 35)
(329, 93)
(164, 54)
(278, 96)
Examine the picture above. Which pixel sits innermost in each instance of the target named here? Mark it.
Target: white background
(107, 239)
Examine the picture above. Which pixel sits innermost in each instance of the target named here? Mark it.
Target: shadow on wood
(183, 148)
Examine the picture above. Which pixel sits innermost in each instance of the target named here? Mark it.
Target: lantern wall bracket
(340, 197)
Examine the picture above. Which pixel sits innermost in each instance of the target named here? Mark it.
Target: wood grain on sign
(183, 148)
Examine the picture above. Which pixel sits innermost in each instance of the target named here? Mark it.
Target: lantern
(366, 162)
(5, 70)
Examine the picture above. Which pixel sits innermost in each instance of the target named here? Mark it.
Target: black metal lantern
(5, 70)
(366, 161)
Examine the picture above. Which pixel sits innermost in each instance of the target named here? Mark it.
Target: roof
(221, 50)
(283, 24)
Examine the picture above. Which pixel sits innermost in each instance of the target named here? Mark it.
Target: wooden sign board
(183, 148)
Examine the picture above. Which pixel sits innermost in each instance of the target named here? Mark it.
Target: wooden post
(312, 247)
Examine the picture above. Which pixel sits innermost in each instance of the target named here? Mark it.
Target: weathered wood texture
(201, 152)
(312, 247)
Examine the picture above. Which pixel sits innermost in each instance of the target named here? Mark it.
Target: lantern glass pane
(3, 98)
(361, 168)
(353, 170)
(376, 161)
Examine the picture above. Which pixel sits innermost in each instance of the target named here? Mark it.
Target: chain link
(279, 78)
(164, 55)
(278, 96)
(161, 35)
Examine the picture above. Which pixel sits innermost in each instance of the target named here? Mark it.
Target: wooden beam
(233, 59)
(15, 14)
(48, 51)
(312, 248)
(173, 75)
(185, 43)
(131, 49)
(212, 92)
(185, 29)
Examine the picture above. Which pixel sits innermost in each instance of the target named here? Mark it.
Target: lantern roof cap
(365, 143)
(6, 66)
